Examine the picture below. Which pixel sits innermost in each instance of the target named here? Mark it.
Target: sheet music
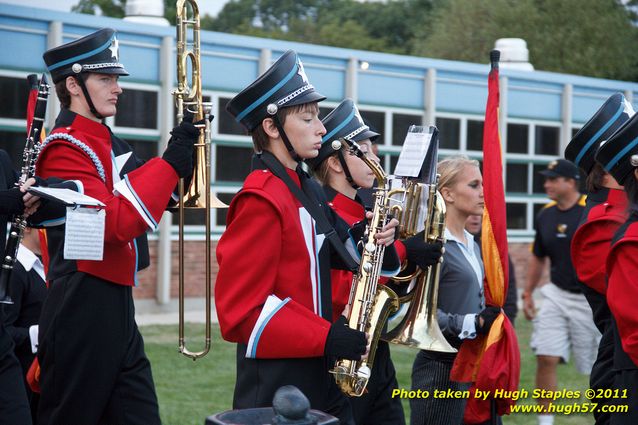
(65, 196)
(415, 147)
(84, 234)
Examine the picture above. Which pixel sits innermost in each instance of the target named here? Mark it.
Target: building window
(220, 213)
(13, 143)
(233, 163)
(517, 138)
(574, 131)
(516, 178)
(15, 95)
(144, 149)
(192, 216)
(516, 215)
(393, 163)
(376, 121)
(137, 109)
(474, 135)
(547, 140)
(226, 123)
(449, 132)
(400, 125)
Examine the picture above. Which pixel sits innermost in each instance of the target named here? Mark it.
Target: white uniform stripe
(271, 307)
(307, 227)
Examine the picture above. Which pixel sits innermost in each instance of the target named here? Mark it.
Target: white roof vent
(514, 54)
(146, 12)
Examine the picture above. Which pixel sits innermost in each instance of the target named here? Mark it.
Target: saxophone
(29, 157)
(370, 304)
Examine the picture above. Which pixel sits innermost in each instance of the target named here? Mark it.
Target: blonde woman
(461, 313)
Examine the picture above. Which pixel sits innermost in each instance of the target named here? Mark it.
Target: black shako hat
(619, 154)
(284, 84)
(609, 117)
(96, 52)
(561, 168)
(343, 121)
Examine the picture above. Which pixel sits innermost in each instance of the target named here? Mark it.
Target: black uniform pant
(259, 379)
(14, 407)
(602, 373)
(91, 353)
(376, 406)
(626, 380)
(431, 371)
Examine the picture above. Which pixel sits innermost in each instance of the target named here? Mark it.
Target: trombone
(188, 97)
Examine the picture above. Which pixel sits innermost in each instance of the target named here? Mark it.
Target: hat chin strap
(87, 96)
(272, 110)
(346, 170)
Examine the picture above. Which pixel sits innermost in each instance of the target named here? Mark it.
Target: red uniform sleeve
(401, 251)
(341, 282)
(590, 246)
(145, 191)
(622, 294)
(249, 309)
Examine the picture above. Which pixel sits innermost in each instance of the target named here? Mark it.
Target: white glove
(33, 336)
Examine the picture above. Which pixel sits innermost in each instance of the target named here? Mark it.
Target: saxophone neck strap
(313, 208)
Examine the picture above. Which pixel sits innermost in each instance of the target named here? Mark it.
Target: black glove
(344, 342)
(11, 201)
(420, 252)
(489, 314)
(179, 152)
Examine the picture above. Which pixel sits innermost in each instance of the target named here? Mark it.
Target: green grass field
(189, 391)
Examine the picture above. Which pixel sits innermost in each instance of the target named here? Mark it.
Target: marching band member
(93, 365)
(462, 313)
(605, 211)
(273, 291)
(342, 174)
(28, 290)
(14, 405)
(619, 157)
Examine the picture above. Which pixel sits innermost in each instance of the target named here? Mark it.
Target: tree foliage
(113, 8)
(586, 37)
(381, 26)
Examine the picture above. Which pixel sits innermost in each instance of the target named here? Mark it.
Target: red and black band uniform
(93, 365)
(273, 292)
(376, 406)
(622, 290)
(605, 211)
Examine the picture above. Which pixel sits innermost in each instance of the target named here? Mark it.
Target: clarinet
(29, 157)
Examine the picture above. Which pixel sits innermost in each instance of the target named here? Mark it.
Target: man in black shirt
(564, 322)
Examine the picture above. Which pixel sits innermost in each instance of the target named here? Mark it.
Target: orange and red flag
(492, 363)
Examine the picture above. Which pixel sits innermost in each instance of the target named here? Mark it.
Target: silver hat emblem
(76, 68)
(271, 109)
(114, 48)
